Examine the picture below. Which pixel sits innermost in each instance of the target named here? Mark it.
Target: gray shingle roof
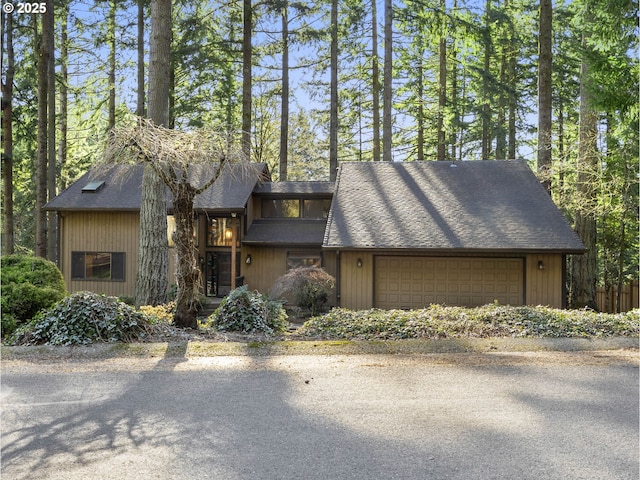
(123, 186)
(285, 232)
(484, 205)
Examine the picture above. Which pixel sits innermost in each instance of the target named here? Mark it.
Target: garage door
(416, 282)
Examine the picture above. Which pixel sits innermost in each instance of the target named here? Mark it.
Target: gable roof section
(120, 191)
(123, 184)
(441, 206)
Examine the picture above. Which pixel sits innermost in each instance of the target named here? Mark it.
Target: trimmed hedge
(439, 321)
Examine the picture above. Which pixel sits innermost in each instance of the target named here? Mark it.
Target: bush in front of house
(29, 284)
(81, 319)
(248, 311)
(307, 289)
(437, 321)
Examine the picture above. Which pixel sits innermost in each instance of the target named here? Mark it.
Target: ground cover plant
(29, 284)
(439, 321)
(84, 318)
(248, 311)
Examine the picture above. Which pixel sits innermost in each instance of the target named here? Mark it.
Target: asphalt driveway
(494, 415)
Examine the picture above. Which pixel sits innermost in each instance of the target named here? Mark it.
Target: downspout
(338, 278)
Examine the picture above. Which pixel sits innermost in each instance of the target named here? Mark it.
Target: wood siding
(544, 287)
(356, 283)
(267, 264)
(541, 287)
(100, 232)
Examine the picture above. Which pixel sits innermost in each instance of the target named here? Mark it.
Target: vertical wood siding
(267, 264)
(356, 283)
(544, 287)
(101, 232)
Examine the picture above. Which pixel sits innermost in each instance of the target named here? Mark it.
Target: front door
(219, 274)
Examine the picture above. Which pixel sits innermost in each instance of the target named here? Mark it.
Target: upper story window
(220, 232)
(97, 266)
(316, 208)
(280, 208)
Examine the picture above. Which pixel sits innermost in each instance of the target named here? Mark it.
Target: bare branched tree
(188, 163)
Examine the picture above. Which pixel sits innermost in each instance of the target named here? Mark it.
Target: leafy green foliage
(29, 284)
(439, 321)
(248, 312)
(307, 288)
(81, 319)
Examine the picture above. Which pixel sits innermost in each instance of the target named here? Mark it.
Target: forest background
(312, 84)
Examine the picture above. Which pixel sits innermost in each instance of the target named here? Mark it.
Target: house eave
(457, 251)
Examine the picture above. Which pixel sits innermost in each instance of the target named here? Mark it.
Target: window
(303, 258)
(316, 208)
(280, 208)
(97, 266)
(171, 228)
(220, 232)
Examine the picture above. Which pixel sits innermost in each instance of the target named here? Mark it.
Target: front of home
(394, 235)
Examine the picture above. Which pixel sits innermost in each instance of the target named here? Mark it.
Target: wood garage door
(416, 282)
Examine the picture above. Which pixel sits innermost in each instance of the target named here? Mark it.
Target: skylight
(93, 187)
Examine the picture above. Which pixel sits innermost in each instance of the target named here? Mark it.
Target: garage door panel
(415, 282)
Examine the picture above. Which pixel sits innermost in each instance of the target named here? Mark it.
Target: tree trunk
(140, 108)
(544, 92)
(44, 55)
(7, 135)
(111, 39)
(151, 281)
(247, 31)
(375, 77)
(52, 174)
(420, 120)
(333, 114)
(486, 75)
(442, 84)
(583, 287)
(387, 141)
(64, 95)
(187, 271)
(284, 104)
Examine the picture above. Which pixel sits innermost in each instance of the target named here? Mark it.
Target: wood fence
(629, 298)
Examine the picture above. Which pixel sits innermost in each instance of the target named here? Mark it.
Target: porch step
(209, 306)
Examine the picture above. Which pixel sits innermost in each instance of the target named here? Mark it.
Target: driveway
(502, 415)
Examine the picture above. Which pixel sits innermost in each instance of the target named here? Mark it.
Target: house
(394, 235)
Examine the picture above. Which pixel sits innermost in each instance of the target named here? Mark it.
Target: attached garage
(410, 234)
(416, 282)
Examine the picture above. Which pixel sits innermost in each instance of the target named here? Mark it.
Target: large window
(315, 208)
(220, 232)
(280, 208)
(97, 266)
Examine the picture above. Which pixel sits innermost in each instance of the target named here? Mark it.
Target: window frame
(79, 262)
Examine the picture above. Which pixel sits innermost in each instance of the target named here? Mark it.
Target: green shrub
(29, 284)
(83, 318)
(307, 288)
(248, 312)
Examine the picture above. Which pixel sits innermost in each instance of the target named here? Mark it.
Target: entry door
(219, 273)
